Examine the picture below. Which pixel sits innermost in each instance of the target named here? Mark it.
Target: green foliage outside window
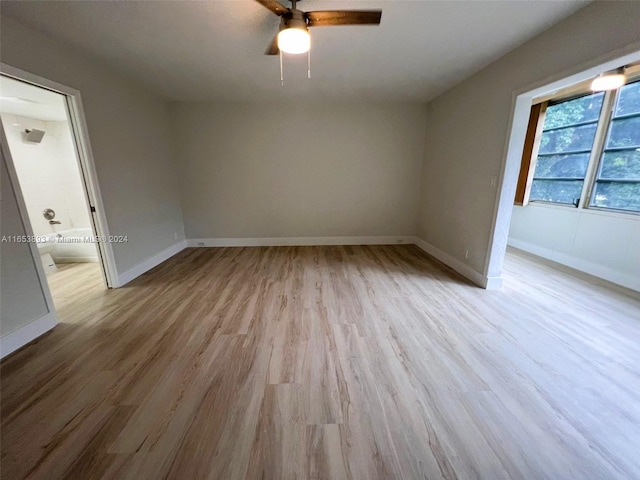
(566, 146)
(567, 139)
(621, 156)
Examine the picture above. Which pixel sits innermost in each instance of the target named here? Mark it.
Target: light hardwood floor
(327, 362)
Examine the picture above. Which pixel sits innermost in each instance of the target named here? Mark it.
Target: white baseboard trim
(149, 263)
(298, 241)
(18, 338)
(597, 270)
(76, 260)
(460, 267)
(493, 283)
(530, 248)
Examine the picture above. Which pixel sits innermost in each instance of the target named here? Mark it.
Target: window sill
(634, 216)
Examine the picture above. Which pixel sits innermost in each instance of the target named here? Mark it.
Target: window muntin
(557, 190)
(617, 195)
(564, 166)
(624, 133)
(583, 109)
(567, 139)
(623, 164)
(617, 184)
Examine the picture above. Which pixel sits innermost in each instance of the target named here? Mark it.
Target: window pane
(623, 196)
(625, 132)
(583, 109)
(568, 139)
(622, 164)
(561, 191)
(628, 100)
(562, 166)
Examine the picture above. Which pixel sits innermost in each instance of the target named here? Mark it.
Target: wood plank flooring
(364, 362)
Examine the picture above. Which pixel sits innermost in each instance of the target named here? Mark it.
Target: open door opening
(575, 187)
(51, 171)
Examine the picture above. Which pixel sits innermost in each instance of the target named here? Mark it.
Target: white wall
(468, 126)
(131, 140)
(48, 172)
(600, 243)
(299, 170)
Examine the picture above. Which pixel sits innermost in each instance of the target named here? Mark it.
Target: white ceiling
(19, 98)
(213, 50)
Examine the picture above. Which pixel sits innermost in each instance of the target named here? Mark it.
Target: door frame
(86, 165)
(520, 110)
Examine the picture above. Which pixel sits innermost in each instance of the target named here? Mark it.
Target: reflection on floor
(75, 283)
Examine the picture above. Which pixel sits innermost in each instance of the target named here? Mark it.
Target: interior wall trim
(12, 341)
(492, 283)
(149, 263)
(595, 269)
(299, 241)
(460, 267)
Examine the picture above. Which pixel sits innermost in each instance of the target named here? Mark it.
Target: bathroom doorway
(51, 171)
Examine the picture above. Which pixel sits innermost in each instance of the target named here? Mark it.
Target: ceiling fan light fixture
(294, 40)
(609, 81)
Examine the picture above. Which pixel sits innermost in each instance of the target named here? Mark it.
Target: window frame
(590, 151)
(602, 150)
(596, 155)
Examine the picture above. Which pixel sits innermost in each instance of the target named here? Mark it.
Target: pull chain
(309, 63)
(281, 74)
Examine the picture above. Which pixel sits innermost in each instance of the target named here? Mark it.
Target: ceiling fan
(293, 36)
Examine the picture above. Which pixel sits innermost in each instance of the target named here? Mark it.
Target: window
(618, 180)
(565, 147)
(586, 150)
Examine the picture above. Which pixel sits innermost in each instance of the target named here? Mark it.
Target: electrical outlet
(201, 244)
(494, 181)
(399, 240)
(466, 254)
(175, 235)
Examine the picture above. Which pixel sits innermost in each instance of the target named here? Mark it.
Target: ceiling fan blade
(275, 7)
(273, 49)
(343, 17)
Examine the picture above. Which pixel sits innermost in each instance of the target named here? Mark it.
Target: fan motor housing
(294, 19)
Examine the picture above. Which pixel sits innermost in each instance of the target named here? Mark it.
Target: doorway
(49, 162)
(522, 102)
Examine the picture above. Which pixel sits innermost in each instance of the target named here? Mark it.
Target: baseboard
(11, 342)
(530, 248)
(600, 271)
(76, 260)
(298, 241)
(493, 283)
(148, 264)
(462, 268)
